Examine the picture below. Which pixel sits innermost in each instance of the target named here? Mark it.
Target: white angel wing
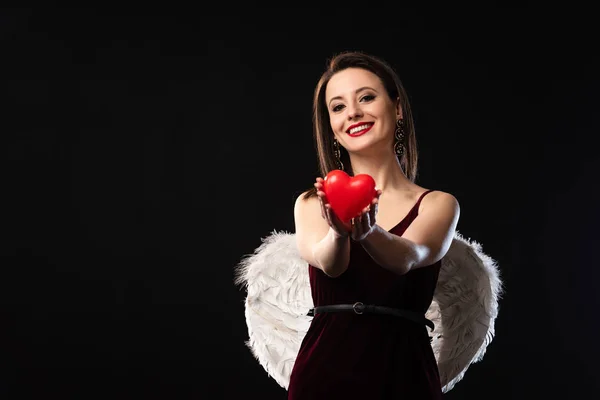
(276, 279)
(464, 309)
(278, 297)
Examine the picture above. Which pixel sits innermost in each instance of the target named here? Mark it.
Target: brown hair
(323, 135)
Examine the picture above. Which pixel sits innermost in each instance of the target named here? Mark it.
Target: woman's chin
(366, 147)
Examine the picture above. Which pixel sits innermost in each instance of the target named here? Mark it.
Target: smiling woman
(390, 255)
(373, 280)
(357, 90)
(367, 109)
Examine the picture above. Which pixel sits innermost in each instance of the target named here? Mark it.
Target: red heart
(348, 195)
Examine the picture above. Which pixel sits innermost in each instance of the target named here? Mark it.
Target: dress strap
(416, 206)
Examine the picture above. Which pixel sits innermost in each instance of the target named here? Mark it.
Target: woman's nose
(354, 111)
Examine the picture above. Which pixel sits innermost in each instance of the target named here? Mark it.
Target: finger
(373, 212)
(338, 224)
(345, 227)
(323, 211)
(357, 227)
(354, 233)
(366, 221)
(321, 194)
(328, 217)
(326, 213)
(318, 183)
(331, 217)
(372, 216)
(322, 204)
(324, 199)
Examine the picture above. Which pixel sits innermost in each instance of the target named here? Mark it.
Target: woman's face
(361, 113)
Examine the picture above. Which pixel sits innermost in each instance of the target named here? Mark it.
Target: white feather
(464, 307)
(276, 280)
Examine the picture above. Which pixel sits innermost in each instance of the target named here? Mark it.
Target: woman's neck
(385, 170)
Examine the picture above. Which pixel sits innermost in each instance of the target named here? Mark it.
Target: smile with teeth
(360, 129)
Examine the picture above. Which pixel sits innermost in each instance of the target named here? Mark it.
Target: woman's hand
(340, 228)
(364, 223)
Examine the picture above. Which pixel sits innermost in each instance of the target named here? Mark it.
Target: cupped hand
(338, 226)
(364, 223)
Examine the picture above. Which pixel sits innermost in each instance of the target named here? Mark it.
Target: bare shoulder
(440, 202)
(305, 204)
(434, 228)
(307, 214)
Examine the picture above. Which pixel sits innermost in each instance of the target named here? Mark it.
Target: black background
(146, 151)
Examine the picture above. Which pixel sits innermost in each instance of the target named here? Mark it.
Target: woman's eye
(368, 97)
(337, 108)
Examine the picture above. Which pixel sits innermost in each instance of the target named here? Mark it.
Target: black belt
(360, 308)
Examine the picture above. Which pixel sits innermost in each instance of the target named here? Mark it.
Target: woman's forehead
(348, 81)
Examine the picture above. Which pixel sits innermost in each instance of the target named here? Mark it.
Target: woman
(388, 256)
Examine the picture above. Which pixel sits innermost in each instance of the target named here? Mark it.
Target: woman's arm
(318, 243)
(426, 240)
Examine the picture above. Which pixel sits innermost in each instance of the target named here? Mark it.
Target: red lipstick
(363, 127)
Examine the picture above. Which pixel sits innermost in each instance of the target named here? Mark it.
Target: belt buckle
(358, 307)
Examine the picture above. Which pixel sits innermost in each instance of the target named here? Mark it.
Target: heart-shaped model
(348, 195)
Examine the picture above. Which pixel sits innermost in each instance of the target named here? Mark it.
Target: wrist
(375, 230)
(337, 236)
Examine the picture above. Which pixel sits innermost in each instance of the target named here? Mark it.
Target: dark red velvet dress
(369, 356)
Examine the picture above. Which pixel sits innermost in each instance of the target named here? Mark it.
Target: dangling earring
(399, 135)
(337, 154)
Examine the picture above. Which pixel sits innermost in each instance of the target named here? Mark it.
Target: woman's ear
(399, 114)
